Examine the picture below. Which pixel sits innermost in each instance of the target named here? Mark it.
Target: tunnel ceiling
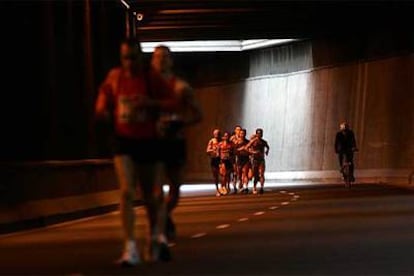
(231, 19)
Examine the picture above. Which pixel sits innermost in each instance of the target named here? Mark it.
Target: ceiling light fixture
(215, 45)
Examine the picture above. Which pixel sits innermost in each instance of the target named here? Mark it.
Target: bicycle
(346, 172)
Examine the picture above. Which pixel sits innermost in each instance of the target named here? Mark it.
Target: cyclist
(345, 146)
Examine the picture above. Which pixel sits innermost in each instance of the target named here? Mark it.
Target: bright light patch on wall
(214, 45)
(261, 43)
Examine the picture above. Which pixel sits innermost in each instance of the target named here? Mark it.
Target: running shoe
(165, 253)
(160, 252)
(129, 258)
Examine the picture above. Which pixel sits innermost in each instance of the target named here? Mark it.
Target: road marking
(222, 226)
(199, 235)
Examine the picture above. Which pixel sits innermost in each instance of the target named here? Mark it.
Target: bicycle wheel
(347, 176)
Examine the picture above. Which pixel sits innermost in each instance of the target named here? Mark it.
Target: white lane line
(222, 226)
(199, 235)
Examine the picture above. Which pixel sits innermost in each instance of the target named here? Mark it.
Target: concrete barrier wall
(40, 193)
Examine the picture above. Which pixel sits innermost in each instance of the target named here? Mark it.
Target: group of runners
(236, 160)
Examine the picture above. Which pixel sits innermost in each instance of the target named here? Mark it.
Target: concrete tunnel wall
(298, 99)
(300, 113)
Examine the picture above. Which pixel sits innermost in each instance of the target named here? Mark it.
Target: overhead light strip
(215, 45)
(202, 11)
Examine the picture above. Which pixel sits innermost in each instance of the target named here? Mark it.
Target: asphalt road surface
(289, 230)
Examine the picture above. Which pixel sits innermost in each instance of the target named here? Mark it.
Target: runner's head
(226, 136)
(161, 59)
(344, 125)
(216, 133)
(130, 54)
(237, 130)
(259, 132)
(242, 133)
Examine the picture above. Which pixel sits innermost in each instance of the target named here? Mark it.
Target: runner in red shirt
(226, 153)
(125, 99)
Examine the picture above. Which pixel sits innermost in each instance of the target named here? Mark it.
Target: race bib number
(129, 111)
